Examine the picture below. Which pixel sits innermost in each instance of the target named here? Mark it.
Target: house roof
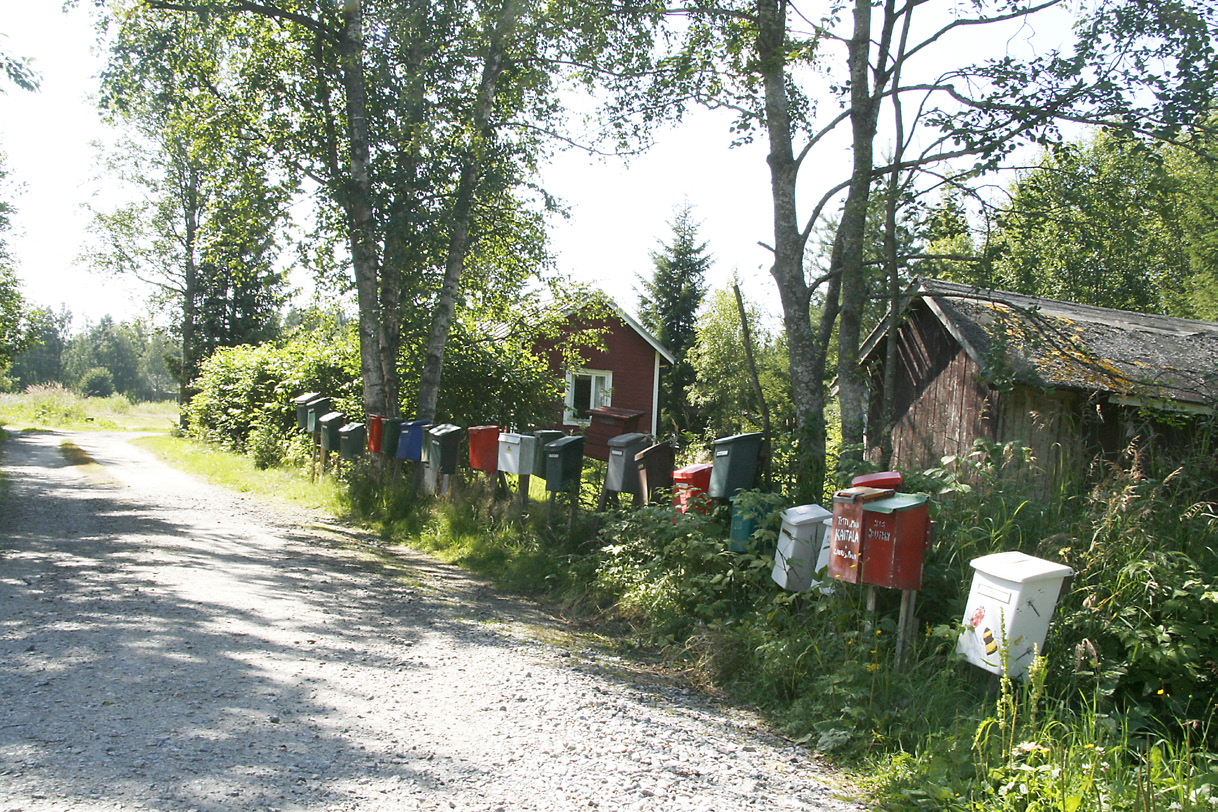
(501, 330)
(1138, 357)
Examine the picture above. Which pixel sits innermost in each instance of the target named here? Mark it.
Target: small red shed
(623, 372)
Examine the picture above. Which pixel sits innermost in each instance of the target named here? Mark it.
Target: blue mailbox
(411, 439)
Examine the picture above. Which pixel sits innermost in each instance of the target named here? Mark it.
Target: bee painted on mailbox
(987, 637)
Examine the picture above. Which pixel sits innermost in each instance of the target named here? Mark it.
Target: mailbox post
(879, 538)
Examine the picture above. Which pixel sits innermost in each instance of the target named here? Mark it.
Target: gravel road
(167, 645)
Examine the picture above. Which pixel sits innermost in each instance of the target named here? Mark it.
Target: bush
(244, 394)
(97, 383)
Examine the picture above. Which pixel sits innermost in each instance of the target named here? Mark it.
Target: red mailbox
(484, 448)
(689, 486)
(879, 537)
(374, 432)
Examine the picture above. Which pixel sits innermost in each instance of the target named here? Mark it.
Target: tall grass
(52, 406)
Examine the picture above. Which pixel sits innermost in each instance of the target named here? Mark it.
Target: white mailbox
(516, 453)
(802, 549)
(1008, 611)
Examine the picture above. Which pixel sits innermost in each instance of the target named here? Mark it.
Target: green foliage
(723, 390)
(97, 383)
(246, 392)
(133, 354)
(1112, 221)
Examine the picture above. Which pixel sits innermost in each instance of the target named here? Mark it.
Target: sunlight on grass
(54, 407)
(238, 473)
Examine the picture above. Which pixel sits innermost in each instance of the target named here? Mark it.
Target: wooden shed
(1068, 381)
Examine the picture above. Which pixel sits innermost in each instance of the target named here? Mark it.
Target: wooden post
(523, 485)
(908, 599)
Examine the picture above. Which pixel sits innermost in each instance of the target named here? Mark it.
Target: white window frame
(601, 395)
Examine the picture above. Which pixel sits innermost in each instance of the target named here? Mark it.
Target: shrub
(97, 383)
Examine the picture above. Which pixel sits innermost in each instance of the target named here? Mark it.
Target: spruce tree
(668, 307)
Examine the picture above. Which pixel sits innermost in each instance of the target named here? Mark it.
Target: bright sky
(619, 212)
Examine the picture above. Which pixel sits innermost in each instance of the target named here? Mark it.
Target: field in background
(54, 407)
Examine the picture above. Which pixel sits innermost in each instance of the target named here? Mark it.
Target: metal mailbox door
(410, 441)
(391, 432)
(484, 448)
(735, 465)
(328, 426)
(564, 463)
(374, 425)
(543, 438)
(622, 473)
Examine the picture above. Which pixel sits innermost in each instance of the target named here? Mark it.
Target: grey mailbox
(302, 408)
(622, 475)
(734, 465)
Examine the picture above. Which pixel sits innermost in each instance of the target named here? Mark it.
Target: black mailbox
(329, 425)
(622, 474)
(564, 464)
(316, 408)
(655, 470)
(544, 438)
(735, 464)
(352, 440)
(442, 445)
(391, 432)
(302, 408)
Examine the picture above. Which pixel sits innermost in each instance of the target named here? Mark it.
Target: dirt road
(167, 645)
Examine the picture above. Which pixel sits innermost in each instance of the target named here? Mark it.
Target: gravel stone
(168, 645)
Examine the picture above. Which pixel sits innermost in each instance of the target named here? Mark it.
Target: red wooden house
(622, 373)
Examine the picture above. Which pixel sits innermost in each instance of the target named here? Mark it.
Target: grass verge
(237, 472)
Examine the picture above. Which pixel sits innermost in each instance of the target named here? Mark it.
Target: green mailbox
(735, 464)
(564, 464)
(352, 440)
(302, 408)
(329, 425)
(391, 432)
(443, 442)
(744, 524)
(315, 409)
(544, 437)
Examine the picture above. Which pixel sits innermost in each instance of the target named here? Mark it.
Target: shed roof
(1062, 345)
